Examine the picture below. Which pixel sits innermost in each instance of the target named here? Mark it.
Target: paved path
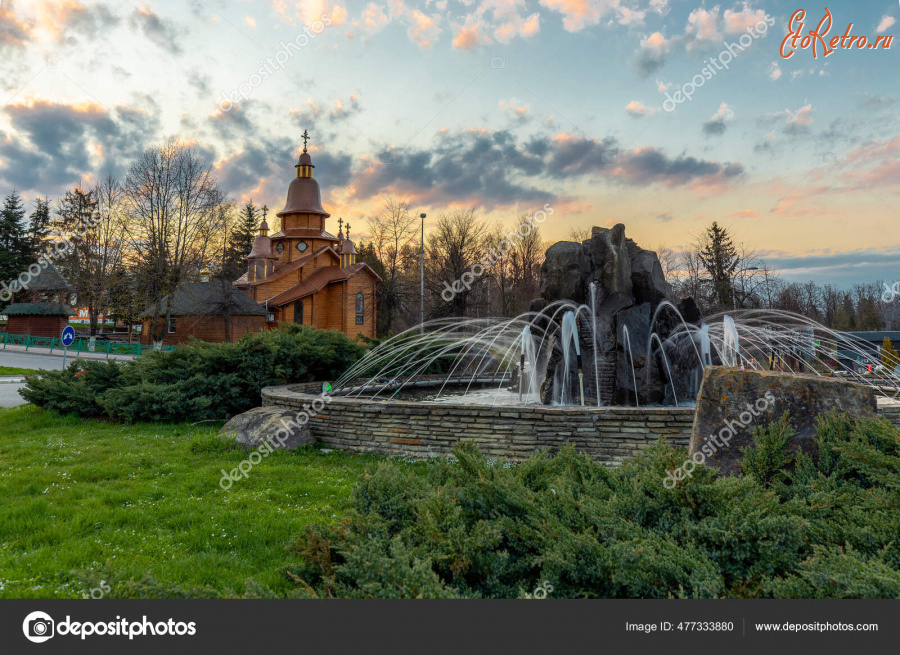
(9, 395)
(58, 353)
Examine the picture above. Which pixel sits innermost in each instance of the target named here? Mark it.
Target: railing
(80, 345)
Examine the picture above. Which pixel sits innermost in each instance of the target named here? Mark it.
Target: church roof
(304, 233)
(319, 280)
(262, 247)
(303, 198)
(283, 269)
(347, 248)
(215, 298)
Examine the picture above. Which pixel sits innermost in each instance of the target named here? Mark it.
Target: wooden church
(303, 273)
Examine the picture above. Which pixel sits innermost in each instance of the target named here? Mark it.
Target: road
(31, 360)
(9, 395)
(9, 392)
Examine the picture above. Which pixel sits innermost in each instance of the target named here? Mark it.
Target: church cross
(348, 229)
(340, 225)
(305, 139)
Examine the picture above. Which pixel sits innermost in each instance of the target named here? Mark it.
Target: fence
(80, 345)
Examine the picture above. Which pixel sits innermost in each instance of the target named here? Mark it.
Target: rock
(624, 285)
(564, 272)
(283, 428)
(737, 402)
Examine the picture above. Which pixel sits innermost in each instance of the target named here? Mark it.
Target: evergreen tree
(15, 245)
(240, 241)
(720, 258)
(890, 359)
(39, 227)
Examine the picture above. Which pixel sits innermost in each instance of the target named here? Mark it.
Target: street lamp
(422, 279)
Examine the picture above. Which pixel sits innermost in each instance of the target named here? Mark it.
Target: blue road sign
(68, 336)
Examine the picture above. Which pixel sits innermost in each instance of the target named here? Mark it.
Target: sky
(504, 106)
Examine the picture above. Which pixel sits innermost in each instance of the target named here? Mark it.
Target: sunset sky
(502, 105)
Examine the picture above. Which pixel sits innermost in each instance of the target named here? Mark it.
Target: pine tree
(15, 245)
(720, 259)
(39, 227)
(890, 359)
(240, 241)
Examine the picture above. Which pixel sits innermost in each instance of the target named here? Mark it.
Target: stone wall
(420, 430)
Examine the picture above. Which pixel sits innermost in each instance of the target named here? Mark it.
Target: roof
(319, 280)
(262, 247)
(303, 198)
(347, 248)
(37, 309)
(49, 279)
(283, 269)
(305, 233)
(207, 299)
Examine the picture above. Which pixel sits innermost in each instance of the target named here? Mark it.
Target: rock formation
(624, 285)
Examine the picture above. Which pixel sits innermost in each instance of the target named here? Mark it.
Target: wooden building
(209, 311)
(40, 307)
(304, 274)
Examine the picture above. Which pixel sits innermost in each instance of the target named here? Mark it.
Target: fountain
(606, 342)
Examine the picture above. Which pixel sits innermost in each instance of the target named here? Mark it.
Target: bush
(196, 381)
(475, 528)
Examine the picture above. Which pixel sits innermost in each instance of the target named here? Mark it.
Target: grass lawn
(87, 500)
(12, 370)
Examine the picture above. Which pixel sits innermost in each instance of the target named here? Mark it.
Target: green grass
(12, 370)
(87, 500)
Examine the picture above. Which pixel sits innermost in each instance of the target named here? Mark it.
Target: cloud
(652, 54)
(423, 29)
(163, 32)
(518, 110)
(744, 213)
(798, 122)
(491, 169)
(469, 37)
(886, 23)
(739, 21)
(716, 125)
(636, 110)
(53, 145)
(665, 217)
(774, 71)
(876, 102)
(703, 26)
(309, 11)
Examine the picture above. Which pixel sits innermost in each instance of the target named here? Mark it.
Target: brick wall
(608, 434)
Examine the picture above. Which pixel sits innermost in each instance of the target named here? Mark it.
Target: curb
(13, 380)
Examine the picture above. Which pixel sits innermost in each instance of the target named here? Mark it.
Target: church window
(279, 247)
(302, 246)
(360, 308)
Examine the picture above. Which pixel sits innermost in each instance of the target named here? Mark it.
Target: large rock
(282, 428)
(564, 272)
(732, 403)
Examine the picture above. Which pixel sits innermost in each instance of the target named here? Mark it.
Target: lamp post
(422, 279)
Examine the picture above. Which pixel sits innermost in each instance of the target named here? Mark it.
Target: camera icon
(55, 62)
(386, 157)
(38, 627)
(829, 158)
(498, 62)
(608, 156)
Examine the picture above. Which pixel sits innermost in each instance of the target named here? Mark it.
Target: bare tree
(394, 236)
(454, 247)
(579, 234)
(173, 204)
